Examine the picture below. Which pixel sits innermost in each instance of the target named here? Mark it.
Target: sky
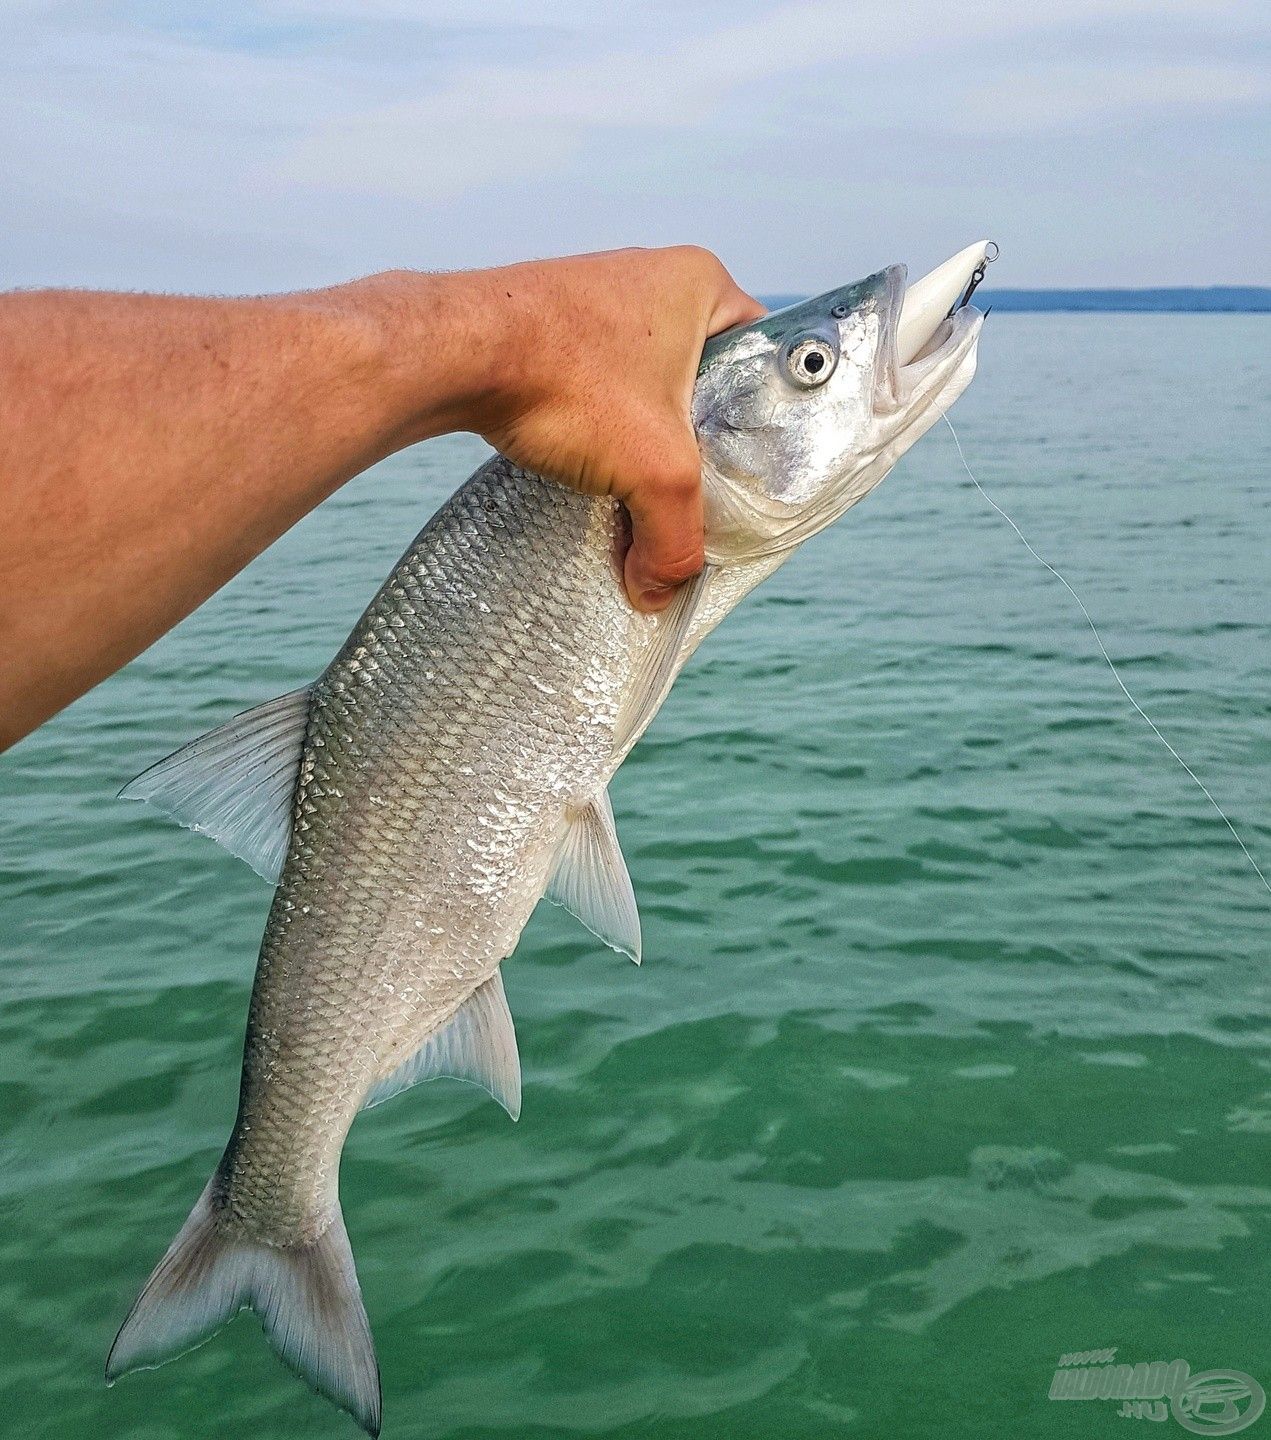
(239, 147)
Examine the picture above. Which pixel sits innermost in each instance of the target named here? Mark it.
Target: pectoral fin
(477, 1043)
(236, 783)
(655, 670)
(591, 880)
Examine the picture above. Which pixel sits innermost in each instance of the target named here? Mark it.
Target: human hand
(595, 384)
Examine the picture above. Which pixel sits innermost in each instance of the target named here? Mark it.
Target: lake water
(948, 1055)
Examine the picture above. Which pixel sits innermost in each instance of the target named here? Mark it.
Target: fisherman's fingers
(665, 504)
(724, 302)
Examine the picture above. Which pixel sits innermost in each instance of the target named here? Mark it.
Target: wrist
(451, 351)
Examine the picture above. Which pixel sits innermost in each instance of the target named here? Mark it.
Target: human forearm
(151, 446)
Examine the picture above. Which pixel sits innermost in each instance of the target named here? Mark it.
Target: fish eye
(810, 360)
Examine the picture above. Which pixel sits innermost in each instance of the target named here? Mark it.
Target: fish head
(800, 414)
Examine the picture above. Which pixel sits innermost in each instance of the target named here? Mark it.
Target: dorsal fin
(236, 783)
(590, 878)
(477, 1043)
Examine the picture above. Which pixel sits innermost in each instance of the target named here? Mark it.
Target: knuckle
(699, 257)
(677, 479)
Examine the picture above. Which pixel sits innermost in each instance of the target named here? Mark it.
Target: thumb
(666, 530)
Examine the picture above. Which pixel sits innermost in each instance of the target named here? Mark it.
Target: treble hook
(978, 274)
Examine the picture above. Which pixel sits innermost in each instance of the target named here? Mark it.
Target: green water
(948, 1054)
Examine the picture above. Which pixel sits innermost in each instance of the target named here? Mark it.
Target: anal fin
(477, 1043)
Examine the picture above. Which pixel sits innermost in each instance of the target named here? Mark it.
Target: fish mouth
(929, 338)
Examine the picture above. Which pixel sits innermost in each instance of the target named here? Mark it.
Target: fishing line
(1103, 650)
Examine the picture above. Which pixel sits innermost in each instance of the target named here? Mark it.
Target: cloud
(291, 141)
(486, 122)
(1067, 95)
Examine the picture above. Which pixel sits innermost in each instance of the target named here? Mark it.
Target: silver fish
(449, 768)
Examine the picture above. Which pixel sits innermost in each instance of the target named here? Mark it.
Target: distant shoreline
(1168, 300)
(1213, 300)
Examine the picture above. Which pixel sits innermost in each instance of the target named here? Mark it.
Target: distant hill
(1215, 299)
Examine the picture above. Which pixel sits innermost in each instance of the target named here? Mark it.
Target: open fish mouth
(785, 455)
(928, 331)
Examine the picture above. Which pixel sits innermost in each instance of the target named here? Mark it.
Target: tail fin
(307, 1298)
